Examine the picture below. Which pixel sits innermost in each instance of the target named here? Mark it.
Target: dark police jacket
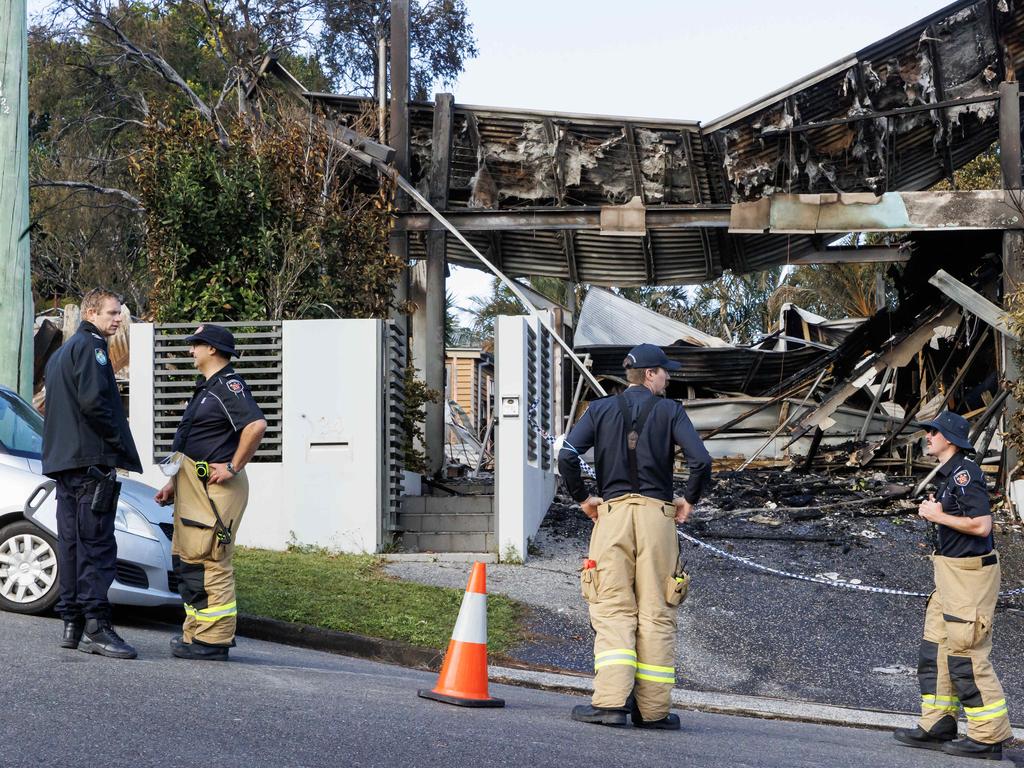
(602, 428)
(85, 424)
(962, 493)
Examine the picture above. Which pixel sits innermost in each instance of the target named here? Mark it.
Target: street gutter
(407, 655)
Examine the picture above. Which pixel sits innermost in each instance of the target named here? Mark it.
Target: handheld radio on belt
(221, 531)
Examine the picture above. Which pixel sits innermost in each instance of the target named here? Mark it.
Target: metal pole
(15, 270)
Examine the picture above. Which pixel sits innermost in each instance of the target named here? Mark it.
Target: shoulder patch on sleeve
(101, 357)
(962, 477)
(234, 385)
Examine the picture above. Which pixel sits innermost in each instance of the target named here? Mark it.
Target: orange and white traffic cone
(463, 678)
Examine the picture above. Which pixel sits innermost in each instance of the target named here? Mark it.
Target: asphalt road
(280, 706)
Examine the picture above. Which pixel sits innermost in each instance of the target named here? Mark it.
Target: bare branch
(84, 185)
(156, 63)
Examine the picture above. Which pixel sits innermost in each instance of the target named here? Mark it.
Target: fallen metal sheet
(890, 212)
(975, 303)
(749, 435)
(800, 323)
(724, 369)
(708, 413)
(607, 319)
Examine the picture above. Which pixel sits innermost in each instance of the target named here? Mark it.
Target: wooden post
(440, 164)
(1013, 244)
(15, 271)
(399, 139)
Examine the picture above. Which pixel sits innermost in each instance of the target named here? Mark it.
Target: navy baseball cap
(953, 427)
(217, 337)
(649, 356)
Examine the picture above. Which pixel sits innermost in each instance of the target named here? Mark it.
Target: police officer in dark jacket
(632, 579)
(86, 434)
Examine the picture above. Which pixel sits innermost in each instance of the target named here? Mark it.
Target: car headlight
(130, 520)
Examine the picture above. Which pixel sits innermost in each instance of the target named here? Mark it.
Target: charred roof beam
(582, 217)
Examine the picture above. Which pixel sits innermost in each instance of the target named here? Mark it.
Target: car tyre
(28, 568)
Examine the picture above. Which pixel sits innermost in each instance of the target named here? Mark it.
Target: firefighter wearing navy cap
(633, 582)
(954, 670)
(220, 431)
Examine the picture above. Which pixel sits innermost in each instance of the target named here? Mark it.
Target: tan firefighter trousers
(636, 550)
(202, 562)
(953, 667)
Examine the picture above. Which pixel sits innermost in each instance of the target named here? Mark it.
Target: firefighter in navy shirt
(954, 669)
(219, 433)
(635, 584)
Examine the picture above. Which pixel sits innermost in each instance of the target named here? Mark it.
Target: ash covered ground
(742, 631)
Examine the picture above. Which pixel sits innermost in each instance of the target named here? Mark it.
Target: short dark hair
(96, 298)
(636, 375)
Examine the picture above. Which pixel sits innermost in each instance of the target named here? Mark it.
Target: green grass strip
(352, 593)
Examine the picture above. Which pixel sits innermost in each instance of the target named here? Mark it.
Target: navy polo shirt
(602, 428)
(220, 408)
(962, 493)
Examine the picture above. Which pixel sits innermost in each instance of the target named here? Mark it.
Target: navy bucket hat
(953, 427)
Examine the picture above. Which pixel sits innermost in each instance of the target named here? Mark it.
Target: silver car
(28, 526)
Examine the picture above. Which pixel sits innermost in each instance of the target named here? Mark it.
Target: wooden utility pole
(15, 284)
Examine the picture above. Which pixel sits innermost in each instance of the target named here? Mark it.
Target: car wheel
(28, 568)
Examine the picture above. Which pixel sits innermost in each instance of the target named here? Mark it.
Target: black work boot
(197, 651)
(968, 747)
(72, 633)
(942, 732)
(100, 637)
(669, 722)
(613, 716)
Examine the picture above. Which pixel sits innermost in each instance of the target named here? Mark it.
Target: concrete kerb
(406, 655)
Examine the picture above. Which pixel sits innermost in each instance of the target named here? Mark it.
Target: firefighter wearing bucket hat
(954, 670)
(219, 433)
(632, 580)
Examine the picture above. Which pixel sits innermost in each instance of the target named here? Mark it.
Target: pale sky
(677, 59)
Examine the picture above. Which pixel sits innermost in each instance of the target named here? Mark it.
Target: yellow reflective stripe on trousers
(616, 656)
(988, 712)
(213, 612)
(655, 674)
(941, 703)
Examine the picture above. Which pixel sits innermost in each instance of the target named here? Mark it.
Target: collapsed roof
(527, 187)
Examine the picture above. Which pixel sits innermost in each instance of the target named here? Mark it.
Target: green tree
(272, 227)
(440, 40)
(982, 172)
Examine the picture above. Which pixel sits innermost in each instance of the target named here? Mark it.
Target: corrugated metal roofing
(522, 160)
(723, 369)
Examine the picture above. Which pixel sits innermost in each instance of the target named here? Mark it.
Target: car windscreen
(21, 427)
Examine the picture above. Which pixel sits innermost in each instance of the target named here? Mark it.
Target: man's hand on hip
(683, 509)
(590, 505)
(219, 473)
